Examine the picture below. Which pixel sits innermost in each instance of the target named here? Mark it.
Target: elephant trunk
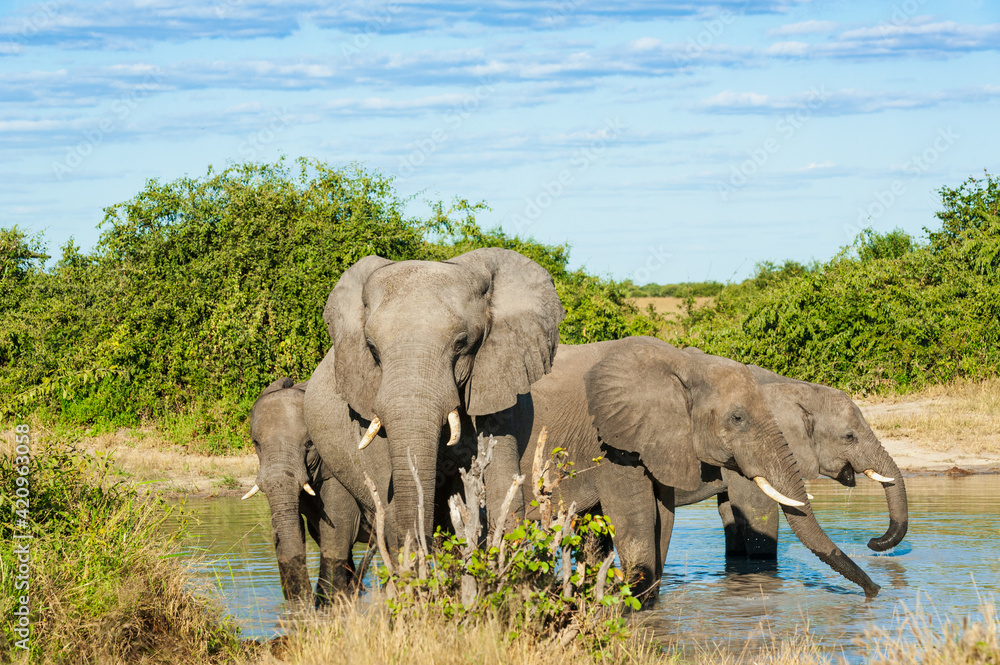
(290, 542)
(413, 412)
(878, 460)
(778, 466)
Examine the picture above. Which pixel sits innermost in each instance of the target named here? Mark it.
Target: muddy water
(948, 561)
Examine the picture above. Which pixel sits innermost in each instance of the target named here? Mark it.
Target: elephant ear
(640, 403)
(276, 385)
(522, 333)
(358, 375)
(796, 424)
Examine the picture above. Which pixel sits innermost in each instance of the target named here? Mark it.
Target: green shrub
(200, 291)
(895, 315)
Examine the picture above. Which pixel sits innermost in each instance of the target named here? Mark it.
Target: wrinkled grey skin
(828, 435)
(413, 340)
(659, 416)
(288, 460)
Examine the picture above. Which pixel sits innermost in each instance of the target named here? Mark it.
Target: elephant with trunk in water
(658, 417)
(828, 435)
(422, 350)
(296, 483)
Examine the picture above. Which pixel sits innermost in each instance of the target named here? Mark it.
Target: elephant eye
(850, 436)
(309, 445)
(461, 342)
(738, 420)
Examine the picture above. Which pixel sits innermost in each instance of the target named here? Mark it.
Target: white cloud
(848, 101)
(804, 28)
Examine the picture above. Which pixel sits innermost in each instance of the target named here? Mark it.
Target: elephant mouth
(846, 476)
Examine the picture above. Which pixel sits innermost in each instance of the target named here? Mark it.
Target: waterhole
(948, 565)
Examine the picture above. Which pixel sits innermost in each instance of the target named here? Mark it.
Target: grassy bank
(100, 584)
(960, 416)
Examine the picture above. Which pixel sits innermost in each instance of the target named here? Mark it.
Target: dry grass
(150, 458)
(350, 636)
(919, 642)
(672, 308)
(963, 416)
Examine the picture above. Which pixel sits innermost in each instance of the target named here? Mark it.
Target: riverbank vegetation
(200, 291)
(959, 416)
(100, 583)
(888, 314)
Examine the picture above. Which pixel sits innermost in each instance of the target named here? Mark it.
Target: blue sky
(665, 141)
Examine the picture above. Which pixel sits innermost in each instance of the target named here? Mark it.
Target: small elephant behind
(293, 478)
(828, 435)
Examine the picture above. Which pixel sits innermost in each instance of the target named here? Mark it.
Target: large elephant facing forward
(659, 416)
(420, 350)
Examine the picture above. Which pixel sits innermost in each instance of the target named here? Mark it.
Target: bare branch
(501, 524)
(602, 576)
(383, 550)
(421, 529)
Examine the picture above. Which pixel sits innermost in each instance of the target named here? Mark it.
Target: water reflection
(954, 528)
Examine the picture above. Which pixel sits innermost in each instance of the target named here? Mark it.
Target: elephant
(293, 478)
(664, 422)
(828, 435)
(423, 351)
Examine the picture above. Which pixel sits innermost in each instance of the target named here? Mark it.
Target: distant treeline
(888, 313)
(201, 291)
(683, 290)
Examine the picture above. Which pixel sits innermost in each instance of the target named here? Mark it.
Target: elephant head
(678, 410)
(415, 342)
(285, 451)
(830, 436)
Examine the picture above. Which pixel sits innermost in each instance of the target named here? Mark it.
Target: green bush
(892, 315)
(200, 291)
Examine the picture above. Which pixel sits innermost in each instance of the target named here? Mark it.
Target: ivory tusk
(308, 489)
(253, 490)
(809, 496)
(775, 494)
(879, 477)
(455, 425)
(370, 434)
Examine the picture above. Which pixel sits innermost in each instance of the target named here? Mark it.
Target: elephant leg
(755, 519)
(626, 494)
(665, 510)
(499, 474)
(735, 544)
(338, 530)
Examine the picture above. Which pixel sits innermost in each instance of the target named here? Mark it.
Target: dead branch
(420, 528)
(383, 550)
(602, 576)
(501, 525)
